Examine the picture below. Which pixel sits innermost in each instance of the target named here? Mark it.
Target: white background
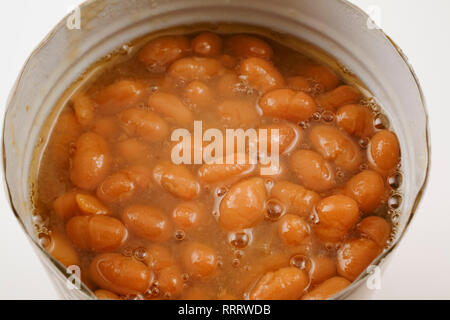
(421, 266)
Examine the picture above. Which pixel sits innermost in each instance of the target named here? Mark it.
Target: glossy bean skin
(170, 281)
(298, 83)
(288, 104)
(295, 198)
(65, 206)
(177, 180)
(368, 189)
(376, 229)
(244, 205)
(106, 295)
(261, 74)
(96, 233)
(199, 95)
(356, 120)
(199, 260)
(384, 151)
(119, 95)
(119, 274)
(238, 113)
(187, 215)
(159, 257)
(90, 205)
(91, 161)
(212, 173)
(169, 106)
(248, 46)
(84, 108)
(62, 250)
(286, 283)
(327, 289)
(196, 68)
(293, 230)
(124, 185)
(147, 125)
(312, 170)
(356, 255)
(288, 137)
(161, 52)
(320, 268)
(323, 76)
(334, 145)
(147, 222)
(336, 215)
(339, 97)
(207, 44)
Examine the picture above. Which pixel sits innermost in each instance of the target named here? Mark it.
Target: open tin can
(337, 27)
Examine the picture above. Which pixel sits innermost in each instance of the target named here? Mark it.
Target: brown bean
(339, 97)
(187, 215)
(288, 104)
(229, 85)
(299, 83)
(261, 74)
(119, 274)
(228, 61)
(249, 46)
(356, 120)
(336, 215)
(207, 44)
(84, 109)
(90, 162)
(327, 289)
(356, 255)
(65, 206)
(144, 124)
(90, 205)
(195, 68)
(212, 173)
(161, 52)
(284, 284)
(96, 233)
(320, 268)
(119, 95)
(323, 76)
(368, 189)
(106, 295)
(107, 127)
(238, 113)
(170, 281)
(134, 151)
(159, 257)
(334, 145)
(244, 205)
(62, 250)
(169, 106)
(199, 95)
(376, 229)
(384, 151)
(66, 132)
(177, 180)
(295, 198)
(124, 185)
(147, 222)
(313, 171)
(288, 137)
(293, 230)
(199, 260)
